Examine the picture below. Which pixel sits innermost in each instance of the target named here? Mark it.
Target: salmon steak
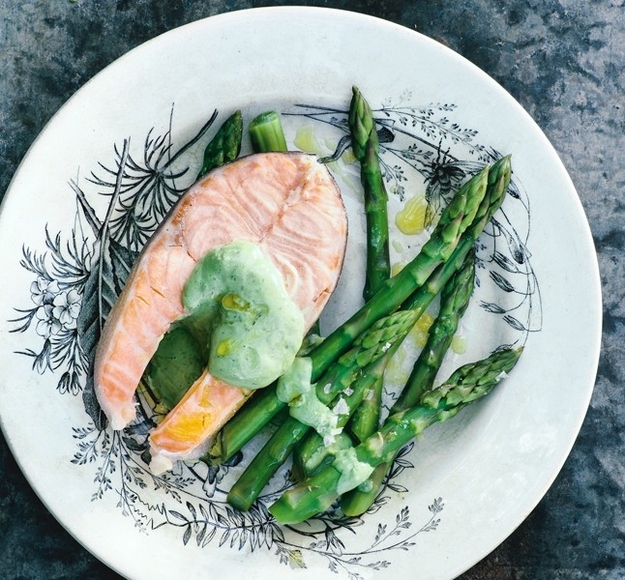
(286, 204)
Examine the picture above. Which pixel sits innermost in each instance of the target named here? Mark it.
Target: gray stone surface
(563, 60)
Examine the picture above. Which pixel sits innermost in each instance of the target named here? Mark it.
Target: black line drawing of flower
(66, 307)
(43, 291)
(48, 324)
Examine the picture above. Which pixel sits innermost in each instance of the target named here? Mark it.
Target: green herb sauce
(296, 390)
(238, 306)
(353, 471)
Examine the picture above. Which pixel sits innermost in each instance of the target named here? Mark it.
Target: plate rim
(251, 12)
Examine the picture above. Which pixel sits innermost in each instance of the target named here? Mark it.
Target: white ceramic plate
(468, 483)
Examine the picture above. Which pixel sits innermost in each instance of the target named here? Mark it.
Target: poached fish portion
(289, 206)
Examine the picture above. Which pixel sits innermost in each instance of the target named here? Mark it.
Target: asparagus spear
(454, 301)
(467, 384)
(266, 133)
(225, 146)
(366, 417)
(366, 147)
(455, 298)
(469, 211)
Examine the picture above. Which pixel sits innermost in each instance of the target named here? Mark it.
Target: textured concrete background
(563, 60)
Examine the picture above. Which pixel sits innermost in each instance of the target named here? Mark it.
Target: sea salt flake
(330, 438)
(341, 408)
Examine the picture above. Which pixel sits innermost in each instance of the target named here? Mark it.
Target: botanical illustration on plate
(78, 273)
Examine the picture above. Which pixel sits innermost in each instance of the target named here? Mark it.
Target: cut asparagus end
(267, 134)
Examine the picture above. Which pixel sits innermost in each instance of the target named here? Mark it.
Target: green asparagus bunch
(369, 346)
(460, 225)
(455, 298)
(466, 385)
